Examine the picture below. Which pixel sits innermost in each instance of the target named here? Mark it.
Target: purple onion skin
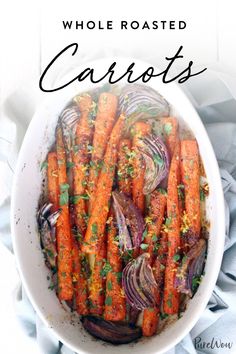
(157, 161)
(139, 283)
(112, 332)
(46, 225)
(192, 266)
(130, 221)
(133, 314)
(140, 102)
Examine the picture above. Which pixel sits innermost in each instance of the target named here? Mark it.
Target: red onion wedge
(129, 221)
(157, 162)
(191, 268)
(68, 121)
(112, 332)
(139, 283)
(46, 225)
(140, 102)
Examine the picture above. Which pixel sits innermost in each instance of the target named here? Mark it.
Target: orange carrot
(171, 295)
(98, 217)
(63, 231)
(80, 158)
(140, 129)
(150, 321)
(79, 280)
(190, 176)
(160, 261)
(97, 282)
(124, 167)
(115, 304)
(52, 174)
(155, 221)
(107, 106)
(170, 131)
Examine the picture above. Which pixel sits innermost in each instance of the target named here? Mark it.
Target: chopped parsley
(109, 285)
(108, 301)
(176, 257)
(106, 269)
(195, 282)
(144, 234)
(158, 160)
(144, 246)
(154, 238)
(75, 198)
(168, 221)
(69, 164)
(167, 128)
(119, 276)
(43, 165)
(64, 195)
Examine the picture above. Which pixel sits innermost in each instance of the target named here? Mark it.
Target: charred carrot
(79, 280)
(155, 221)
(107, 106)
(171, 295)
(160, 261)
(53, 186)
(150, 321)
(125, 170)
(115, 304)
(81, 156)
(190, 175)
(151, 316)
(140, 129)
(98, 217)
(170, 131)
(97, 281)
(63, 231)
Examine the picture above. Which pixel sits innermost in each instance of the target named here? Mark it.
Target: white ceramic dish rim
(178, 99)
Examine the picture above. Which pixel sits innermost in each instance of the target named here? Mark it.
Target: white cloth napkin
(214, 96)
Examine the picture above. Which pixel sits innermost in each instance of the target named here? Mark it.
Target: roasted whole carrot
(190, 176)
(81, 156)
(151, 316)
(106, 114)
(159, 263)
(125, 169)
(171, 295)
(115, 304)
(98, 281)
(140, 129)
(152, 240)
(63, 230)
(79, 280)
(170, 131)
(97, 221)
(150, 321)
(52, 175)
(154, 223)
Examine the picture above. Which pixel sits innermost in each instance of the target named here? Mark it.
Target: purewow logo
(214, 343)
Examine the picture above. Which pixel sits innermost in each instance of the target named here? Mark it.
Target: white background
(32, 33)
